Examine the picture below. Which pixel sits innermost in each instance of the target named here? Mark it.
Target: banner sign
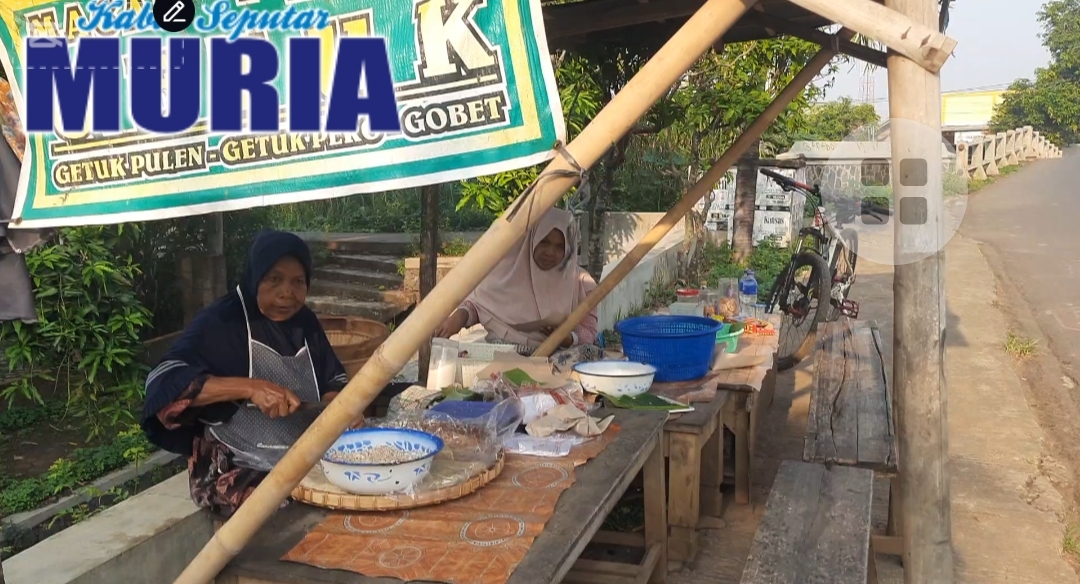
(473, 82)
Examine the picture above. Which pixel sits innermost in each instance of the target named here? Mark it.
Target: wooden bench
(693, 444)
(816, 528)
(752, 391)
(850, 422)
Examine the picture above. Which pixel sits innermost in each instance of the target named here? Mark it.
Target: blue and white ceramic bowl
(615, 378)
(371, 478)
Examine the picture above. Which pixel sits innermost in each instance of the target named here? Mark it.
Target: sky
(997, 43)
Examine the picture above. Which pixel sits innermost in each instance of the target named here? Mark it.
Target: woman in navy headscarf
(227, 393)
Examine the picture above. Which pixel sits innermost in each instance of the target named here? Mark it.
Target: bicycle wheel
(844, 267)
(800, 299)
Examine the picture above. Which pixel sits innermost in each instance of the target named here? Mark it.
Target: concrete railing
(983, 157)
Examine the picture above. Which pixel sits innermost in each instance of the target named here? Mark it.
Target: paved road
(1032, 220)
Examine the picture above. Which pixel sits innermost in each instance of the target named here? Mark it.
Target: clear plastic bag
(536, 399)
(471, 446)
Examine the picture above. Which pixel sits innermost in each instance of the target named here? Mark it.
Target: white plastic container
(443, 367)
(687, 308)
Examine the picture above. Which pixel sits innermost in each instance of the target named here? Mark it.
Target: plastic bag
(471, 446)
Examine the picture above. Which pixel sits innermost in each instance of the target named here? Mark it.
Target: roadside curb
(12, 526)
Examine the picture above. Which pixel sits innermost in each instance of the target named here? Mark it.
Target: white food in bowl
(615, 378)
(342, 467)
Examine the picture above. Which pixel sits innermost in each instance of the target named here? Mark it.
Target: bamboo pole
(699, 33)
(750, 135)
(919, 314)
(921, 43)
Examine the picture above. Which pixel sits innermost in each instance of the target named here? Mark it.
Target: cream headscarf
(517, 291)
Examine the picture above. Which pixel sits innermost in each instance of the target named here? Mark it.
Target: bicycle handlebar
(785, 182)
(865, 207)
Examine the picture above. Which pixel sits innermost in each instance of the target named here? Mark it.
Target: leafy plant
(1051, 101)
(88, 330)
(82, 467)
(17, 418)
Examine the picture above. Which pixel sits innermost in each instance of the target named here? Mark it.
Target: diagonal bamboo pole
(752, 133)
(699, 33)
(904, 35)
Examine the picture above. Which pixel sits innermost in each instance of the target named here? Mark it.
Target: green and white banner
(475, 89)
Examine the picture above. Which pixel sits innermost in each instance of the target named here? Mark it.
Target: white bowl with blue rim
(615, 378)
(374, 478)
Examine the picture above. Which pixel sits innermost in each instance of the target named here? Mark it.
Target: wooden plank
(704, 413)
(920, 43)
(890, 405)
(712, 474)
(619, 538)
(816, 527)
(600, 567)
(744, 459)
(578, 516)
(596, 21)
(684, 471)
(875, 438)
(850, 419)
(656, 521)
(577, 18)
(861, 52)
(654, 563)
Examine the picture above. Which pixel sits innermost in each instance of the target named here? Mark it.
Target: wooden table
(694, 445)
(578, 516)
(695, 451)
(752, 390)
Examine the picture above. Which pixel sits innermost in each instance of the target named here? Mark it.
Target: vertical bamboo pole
(750, 135)
(699, 33)
(919, 313)
(429, 260)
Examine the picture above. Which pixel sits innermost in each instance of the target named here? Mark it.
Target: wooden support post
(913, 39)
(750, 135)
(919, 312)
(742, 224)
(624, 110)
(429, 260)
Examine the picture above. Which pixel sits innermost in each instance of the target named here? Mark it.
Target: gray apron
(257, 440)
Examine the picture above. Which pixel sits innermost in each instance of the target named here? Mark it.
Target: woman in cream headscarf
(537, 280)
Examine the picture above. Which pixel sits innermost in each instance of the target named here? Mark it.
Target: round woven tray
(354, 339)
(316, 490)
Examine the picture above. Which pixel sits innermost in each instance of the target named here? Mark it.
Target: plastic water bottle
(747, 294)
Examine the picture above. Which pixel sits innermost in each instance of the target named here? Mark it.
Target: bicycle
(829, 253)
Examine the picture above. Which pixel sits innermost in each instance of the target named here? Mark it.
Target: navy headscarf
(216, 344)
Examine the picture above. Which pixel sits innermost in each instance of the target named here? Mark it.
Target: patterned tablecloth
(479, 539)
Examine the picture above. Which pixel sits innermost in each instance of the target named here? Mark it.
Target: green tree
(1051, 102)
(835, 120)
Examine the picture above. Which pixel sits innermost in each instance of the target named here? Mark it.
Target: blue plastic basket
(680, 347)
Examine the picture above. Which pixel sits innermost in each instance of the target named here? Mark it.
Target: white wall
(622, 232)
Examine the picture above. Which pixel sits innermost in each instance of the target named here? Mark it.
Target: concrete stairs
(357, 274)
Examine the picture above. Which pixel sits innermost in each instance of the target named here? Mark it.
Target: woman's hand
(452, 325)
(329, 397)
(566, 343)
(274, 401)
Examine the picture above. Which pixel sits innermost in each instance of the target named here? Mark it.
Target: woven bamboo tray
(316, 490)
